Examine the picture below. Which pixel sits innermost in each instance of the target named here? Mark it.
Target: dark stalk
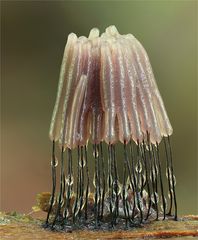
(53, 168)
(99, 179)
(124, 186)
(87, 187)
(169, 178)
(130, 176)
(134, 179)
(147, 179)
(78, 188)
(103, 180)
(161, 182)
(60, 199)
(110, 183)
(116, 183)
(138, 190)
(153, 179)
(172, 175)
(82, 179)
(69, 183)
(96, 212)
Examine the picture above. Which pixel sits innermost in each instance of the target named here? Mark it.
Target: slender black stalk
(103, 180)
(69, 183)
(134, 179)
(87, 187)
(64, 200)
(147, 180)
(78, 188)
(173, 178)
(153, 179)
(96, 210)
(82, 179)
(169, 178)
(130, 177)
(143, 180)
(138, 190)
(161, 182)
(155, 169)
(60, 198)
(110, 183)
(115, 183)
(99, 179)
(53, 168)
(124, 186)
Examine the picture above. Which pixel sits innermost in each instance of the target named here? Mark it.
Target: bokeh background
(33, 36)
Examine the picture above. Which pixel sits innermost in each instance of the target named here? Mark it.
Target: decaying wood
(22, 227)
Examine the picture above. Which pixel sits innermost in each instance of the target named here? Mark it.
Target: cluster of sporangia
(107, 94)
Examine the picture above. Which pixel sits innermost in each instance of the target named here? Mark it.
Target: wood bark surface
(22, 227)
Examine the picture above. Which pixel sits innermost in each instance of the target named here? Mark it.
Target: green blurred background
(33, 36)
